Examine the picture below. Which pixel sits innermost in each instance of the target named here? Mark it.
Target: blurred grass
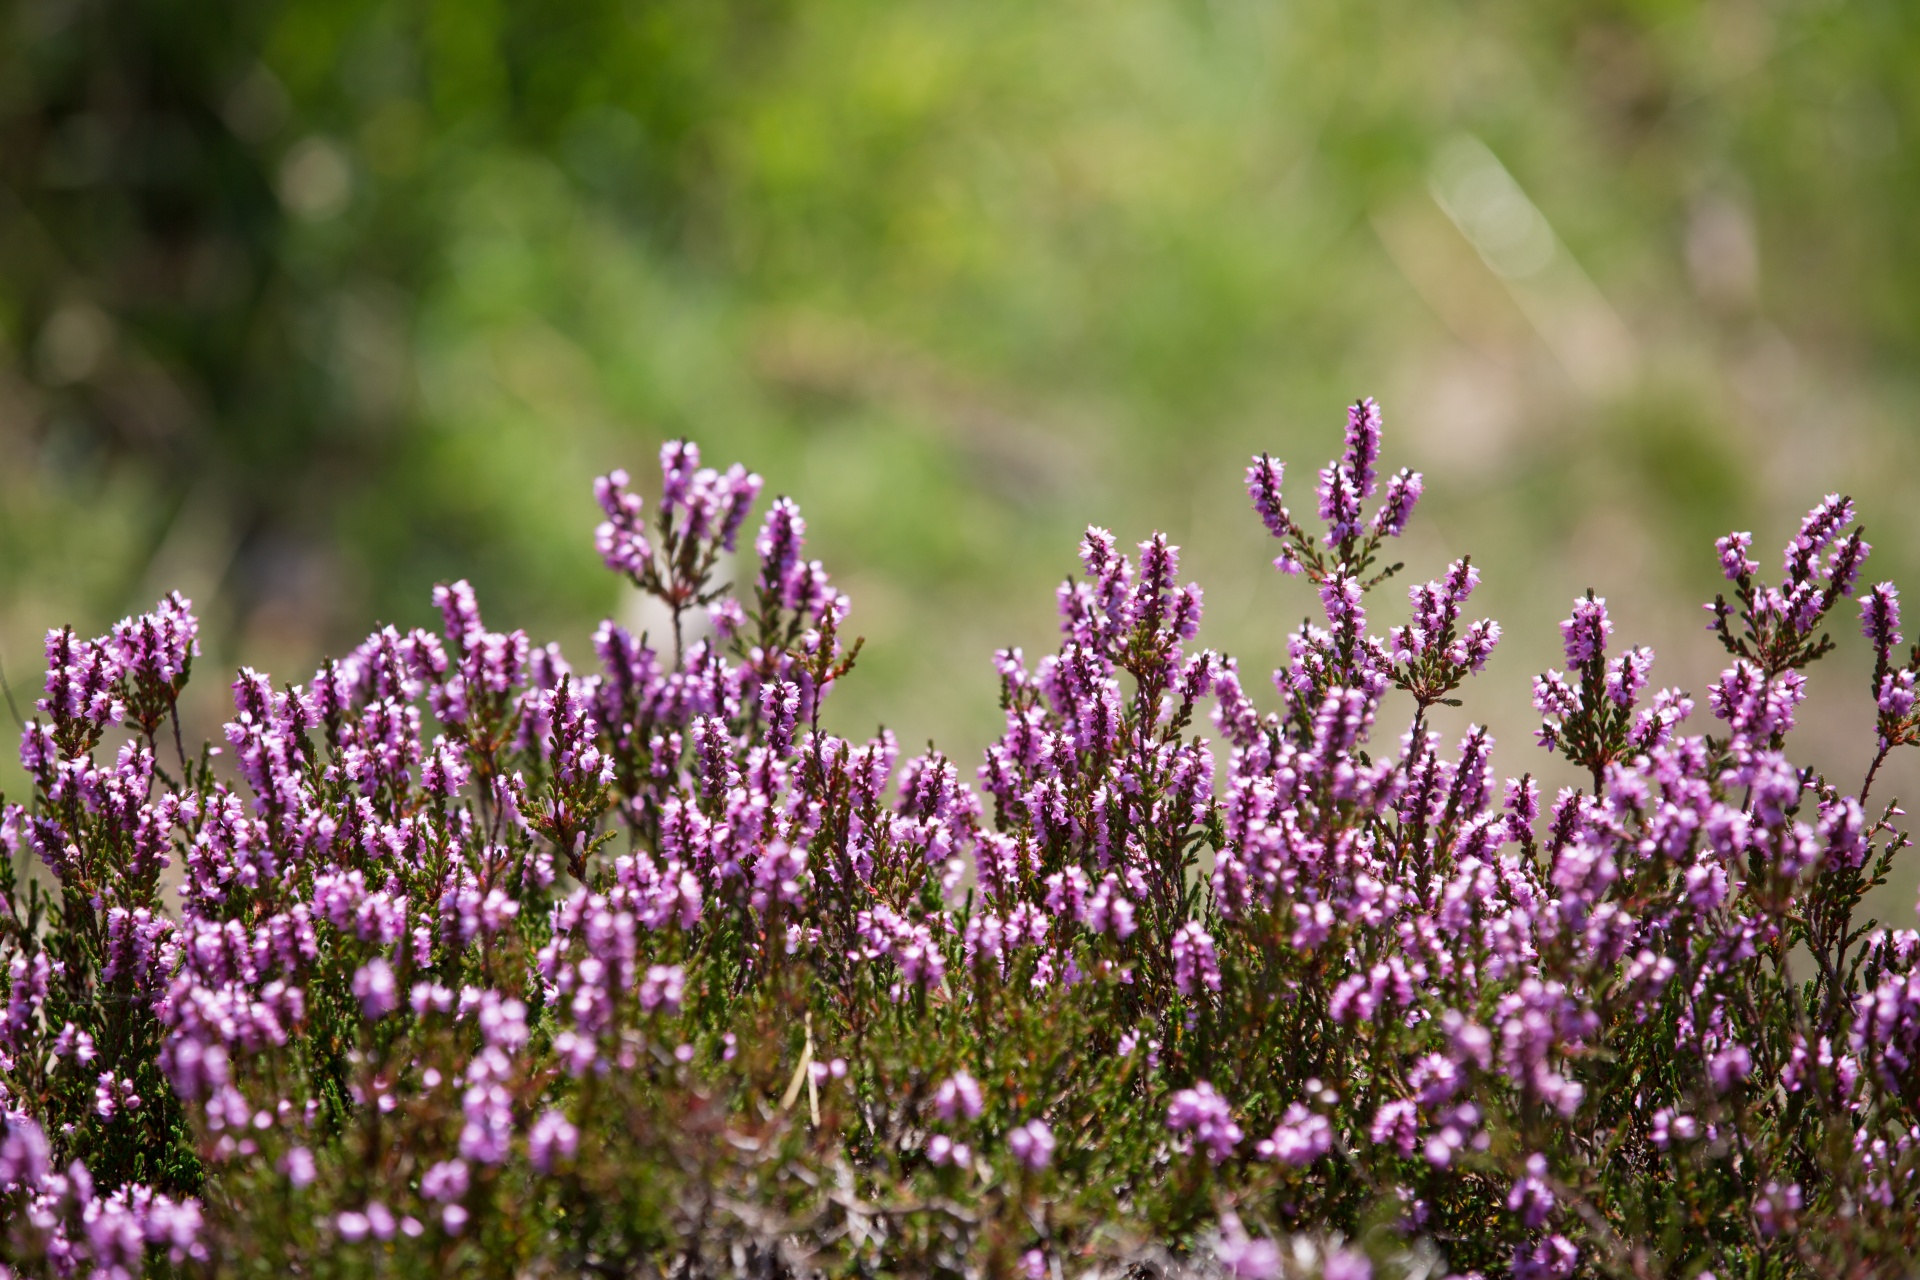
(306, 305)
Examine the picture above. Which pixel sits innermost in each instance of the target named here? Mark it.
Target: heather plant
(457, 959)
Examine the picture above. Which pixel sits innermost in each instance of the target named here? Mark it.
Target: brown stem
(1873, 769)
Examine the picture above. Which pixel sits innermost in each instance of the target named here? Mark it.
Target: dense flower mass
(458, 958)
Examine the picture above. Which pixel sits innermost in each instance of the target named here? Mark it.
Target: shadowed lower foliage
(454, 959)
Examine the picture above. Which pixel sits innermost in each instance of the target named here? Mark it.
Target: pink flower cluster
(454, 935)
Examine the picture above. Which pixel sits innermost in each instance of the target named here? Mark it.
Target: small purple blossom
(552, 1139)
(1777, 1208)
(1263, 487)
(1585, 632)
(1734, 562)
(1396, 508)
(958, 1095)
(374, 988)
(1532, 1198)
(1032, 1145)
(298, 1165)
(1346, 1264)
(1195, 963)
(1206, 1114)
(1880, 617)
(1729, 1067)
(1395, 1125)
(1242, 1256)
(1299, 1139)
(620, 539)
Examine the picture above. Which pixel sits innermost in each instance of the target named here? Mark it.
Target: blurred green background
(307, 304)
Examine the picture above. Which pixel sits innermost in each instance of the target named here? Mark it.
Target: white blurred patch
(1723, 252)
(73, 343)
(316, 180)
(648, 615)
(1519, 246)
(1491, 210)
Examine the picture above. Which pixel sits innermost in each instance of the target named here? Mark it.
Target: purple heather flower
(503, 1022)
(25, 1157)
(1436, 604)
(345, 828)
(1531, 1197)
(782, 535)
(1208, 1116)
(1455, 1129)
(1777, 1208)
(1729, 1067)
(1194, 962)
(738, 490)
(1848, 559)
(1817, 532)
(1627, 675)
(1263, 487)
(1895, 696)
(1032, 1144)
(552, 1138)
(706, 504)
(1242, 1256)
(82, 681)
(1395, 1125)
(1159, 565)
(1344, 601)
(942, 1150)
(1396, 508)
(1551, 1259)
(1435, 1078)
(780, 706)
(461, 611)
(958, 1095)
(726, 617)
(374, 988)
(154, 652)
(1300, 1138)
(1363, 444)
(445, 1182)
(679, 459)
(298, 1165)
(1669, 1127)
(1585, 632)
(1756, 708)
(1475, 645)
(664, 987)
(1346, 1264)
(1339, 503)
(1734, 562)
(621, 539)
(1880, 618)
(444, 771)
(488, 1110)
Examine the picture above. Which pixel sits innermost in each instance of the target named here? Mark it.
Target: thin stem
(1879, 758)
(179, 743)
(7, 689)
